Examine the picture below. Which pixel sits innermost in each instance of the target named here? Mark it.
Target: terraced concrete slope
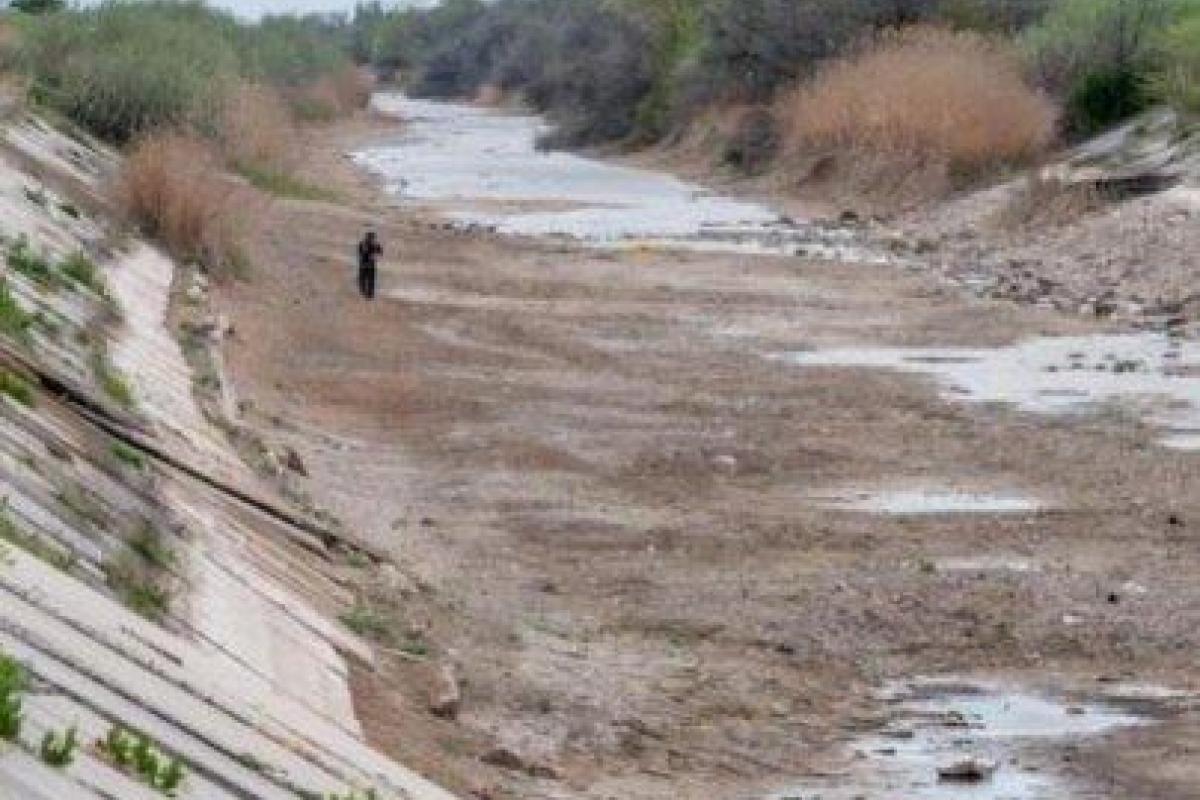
(159, 602)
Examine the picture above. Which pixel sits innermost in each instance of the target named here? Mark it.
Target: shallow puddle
(940, 724)
(1152, 376)
(918, 501)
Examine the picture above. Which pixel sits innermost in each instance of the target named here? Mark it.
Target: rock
(396, 583)
(445, 699)
(970, 769)
(293, 462)
(505, 757)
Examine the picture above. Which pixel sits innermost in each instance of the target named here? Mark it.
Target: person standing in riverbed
(369, 251)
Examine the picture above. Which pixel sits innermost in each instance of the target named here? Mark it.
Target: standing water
(482, 167)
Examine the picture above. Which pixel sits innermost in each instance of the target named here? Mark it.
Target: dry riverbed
(665, 552)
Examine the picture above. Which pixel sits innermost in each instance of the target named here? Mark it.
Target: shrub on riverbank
(124, 69)
(172, 187)
(924, 103)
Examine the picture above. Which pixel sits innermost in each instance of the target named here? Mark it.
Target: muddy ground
(595, 478)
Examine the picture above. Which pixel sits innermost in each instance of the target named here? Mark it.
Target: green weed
(22, 259)
(58, 750)
(12, 684)
(284, 185)
(31, 543)
(149, 545)
(80, 269)
(111, 381)
(129, 456)
(14, 386)
(14, 320)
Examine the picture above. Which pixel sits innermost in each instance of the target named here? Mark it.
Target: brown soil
(593, 476)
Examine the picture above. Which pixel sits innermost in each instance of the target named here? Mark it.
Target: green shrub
(111, 381)
(14, 386)
(1105, 97)
(123, 68)
(118, 746)
(12, 684)
(80, 269)
(14, 320)
(58, 750)
(129, 456)
(1099, 54)
(22, 259)
(1177, 77)
(33, 544)
(138, 755)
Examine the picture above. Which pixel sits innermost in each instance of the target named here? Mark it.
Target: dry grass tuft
(257, 129)
(923, 100)
(1046, 200)
(173, 188)
(336, 95)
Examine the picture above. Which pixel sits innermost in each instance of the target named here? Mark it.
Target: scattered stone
(446, 698)
(293, 462)
(508, 758)
(971, 769)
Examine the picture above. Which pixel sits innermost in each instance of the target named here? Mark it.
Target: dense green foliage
(123, 68)
(635, 69)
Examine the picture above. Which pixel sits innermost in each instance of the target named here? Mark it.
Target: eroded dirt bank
(597, 478)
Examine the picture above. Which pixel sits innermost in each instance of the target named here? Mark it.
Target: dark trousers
(366, 282)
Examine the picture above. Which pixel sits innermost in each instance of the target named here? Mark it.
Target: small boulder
(293, 462)
(445, 700)
(970, 769)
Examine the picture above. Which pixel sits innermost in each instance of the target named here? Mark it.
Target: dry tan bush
(336, 95)
(1048, 200)
(172, 186)
(925, 97)
(257, 129)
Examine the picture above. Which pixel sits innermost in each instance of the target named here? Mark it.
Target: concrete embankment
(151, 584)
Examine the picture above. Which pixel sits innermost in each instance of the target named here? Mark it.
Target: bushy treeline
(123, 68)
(194, 95)
(638, 69)
(613, 69)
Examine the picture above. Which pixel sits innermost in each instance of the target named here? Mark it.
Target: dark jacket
(369, 251)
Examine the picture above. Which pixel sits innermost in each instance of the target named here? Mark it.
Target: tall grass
(123, 69)
(173, 188)
(921, 96)
(257, 129)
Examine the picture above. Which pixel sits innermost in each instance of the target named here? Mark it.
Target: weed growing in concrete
(14, 320)
(112, 381)
(138, 755)
(14, 386)
(37, 196)
(12, 684)
(81, 270)
(58, 750)
(117, 745)
(369, 794)
(141, 592)
(34, 545)
(368, 622)
(129, 456)
(149, 544)
(22, 259)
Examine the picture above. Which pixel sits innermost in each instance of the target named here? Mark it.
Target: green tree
(37, 6)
